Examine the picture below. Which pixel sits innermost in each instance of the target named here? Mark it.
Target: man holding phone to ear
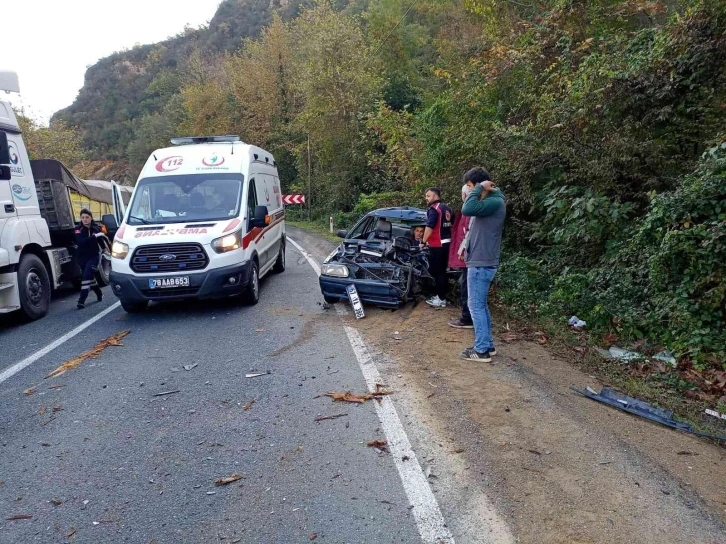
(487, 208)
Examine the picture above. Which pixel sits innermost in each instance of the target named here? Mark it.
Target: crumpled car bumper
(374, 292)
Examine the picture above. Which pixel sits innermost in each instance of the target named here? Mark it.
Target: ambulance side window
(251, 203)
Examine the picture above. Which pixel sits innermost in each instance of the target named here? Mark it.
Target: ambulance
(205, 220)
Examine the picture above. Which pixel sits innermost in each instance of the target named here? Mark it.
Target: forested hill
(121, 90)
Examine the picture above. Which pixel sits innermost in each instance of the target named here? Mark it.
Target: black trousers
(464, 293)
(438, 262)
(89, 278)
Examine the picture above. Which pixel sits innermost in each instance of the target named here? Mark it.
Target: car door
(252, 203)
(119, 207)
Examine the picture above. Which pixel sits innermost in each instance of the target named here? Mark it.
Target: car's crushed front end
(386, 271)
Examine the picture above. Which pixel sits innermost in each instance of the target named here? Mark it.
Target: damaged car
(381, 258)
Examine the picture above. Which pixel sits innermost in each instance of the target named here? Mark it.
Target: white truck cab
(206, 220)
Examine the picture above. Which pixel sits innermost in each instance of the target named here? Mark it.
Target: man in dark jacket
(88, 241)
(437, 236)
(487, 209)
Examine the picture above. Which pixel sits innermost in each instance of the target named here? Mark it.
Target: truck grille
(169, 258)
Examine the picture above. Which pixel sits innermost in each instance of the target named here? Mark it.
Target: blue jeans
(479, 279)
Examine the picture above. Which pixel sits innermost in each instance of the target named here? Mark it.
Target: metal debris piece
(166, 393)
(323, 418)
(256, 374)
(643, 409)
(190, 367)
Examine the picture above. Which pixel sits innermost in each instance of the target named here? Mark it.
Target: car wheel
(280, 262)
(252, 292)
(134, 306)
(34, 287)
(330, 300)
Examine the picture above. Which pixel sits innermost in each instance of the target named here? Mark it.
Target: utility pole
(310, 184)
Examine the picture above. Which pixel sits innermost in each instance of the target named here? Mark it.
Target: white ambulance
(206, 220)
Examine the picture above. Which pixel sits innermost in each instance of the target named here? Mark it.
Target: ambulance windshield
(180, 199)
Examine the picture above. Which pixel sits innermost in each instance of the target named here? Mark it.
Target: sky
(50, 43)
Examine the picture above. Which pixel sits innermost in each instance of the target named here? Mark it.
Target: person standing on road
(437, 236)
(88, 240)
(487, 208)
(456, 260)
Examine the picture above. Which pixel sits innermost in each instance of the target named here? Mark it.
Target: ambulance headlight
(336, 270)
(119, 250)
(228, 242)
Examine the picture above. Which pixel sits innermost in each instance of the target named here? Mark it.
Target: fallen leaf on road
(57, 502)
(313, 536)
(19, 516)
(259, 330)
(458, 451)
(248, 405)
(380, 444)
(73, 532)
(42, 410)
(56, 386)
(228, 479)
(541, 338)
(29, 391)
(114, 340)
(510, 337)
(349, 396)
(57, 408)
(323, 418)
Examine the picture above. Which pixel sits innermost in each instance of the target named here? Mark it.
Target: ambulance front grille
(169, 258)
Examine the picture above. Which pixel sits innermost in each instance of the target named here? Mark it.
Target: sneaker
(80, 306)
(461, 324)
(436, 302)
(470, 354)
(492, 350)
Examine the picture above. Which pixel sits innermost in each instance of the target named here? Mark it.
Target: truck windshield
(180, 199)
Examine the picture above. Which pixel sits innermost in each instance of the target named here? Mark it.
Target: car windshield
(180, 199)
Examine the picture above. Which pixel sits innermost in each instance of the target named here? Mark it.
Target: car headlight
(228, 242)
(119, 250)
(337, 270)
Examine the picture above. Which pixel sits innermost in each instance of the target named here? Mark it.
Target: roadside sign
(293, 199)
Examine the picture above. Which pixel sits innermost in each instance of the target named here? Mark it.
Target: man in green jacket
(487, 208)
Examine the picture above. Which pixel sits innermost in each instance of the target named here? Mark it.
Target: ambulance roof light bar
(189, 140)
(9, 82)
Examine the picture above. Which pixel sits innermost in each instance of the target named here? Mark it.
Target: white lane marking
(426, 511)
(17, 367)
(306, 255)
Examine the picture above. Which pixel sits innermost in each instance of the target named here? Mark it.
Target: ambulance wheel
(280, 262)
(134, 306)
(33, 287)
(330, 300)
(251, 293)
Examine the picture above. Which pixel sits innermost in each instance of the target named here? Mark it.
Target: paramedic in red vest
(438, 237)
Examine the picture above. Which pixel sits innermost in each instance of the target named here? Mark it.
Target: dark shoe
(470, 354)
(461, 324)
(80, 306)
(99, 297)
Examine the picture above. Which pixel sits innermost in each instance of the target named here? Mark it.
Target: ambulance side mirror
(260, 218)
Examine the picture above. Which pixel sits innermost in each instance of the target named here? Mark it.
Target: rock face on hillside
(122, 89)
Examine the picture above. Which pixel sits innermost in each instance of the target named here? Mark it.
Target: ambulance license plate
(168, 283)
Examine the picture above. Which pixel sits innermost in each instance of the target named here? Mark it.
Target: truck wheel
(34, 287)
(134, 306)
(280, 262)
(330, 300)
(251, 294)
(104, 270)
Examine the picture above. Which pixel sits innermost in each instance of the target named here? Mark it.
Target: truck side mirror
(4, 149)
(5, 173)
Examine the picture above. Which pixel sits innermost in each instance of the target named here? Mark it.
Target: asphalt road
(94, 456)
